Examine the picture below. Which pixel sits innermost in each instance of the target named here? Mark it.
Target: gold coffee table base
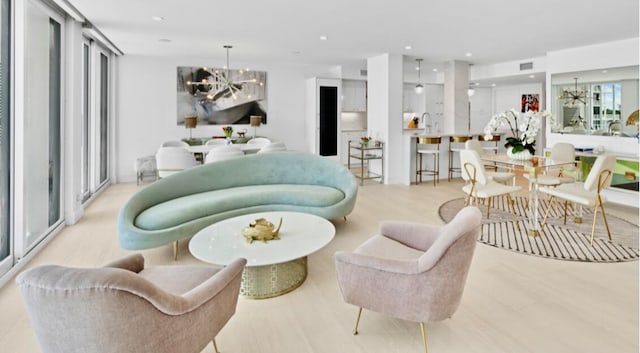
(261, 282)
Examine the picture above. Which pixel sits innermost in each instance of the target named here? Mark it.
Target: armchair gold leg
(175, 250)
(215, 346)
(355, 330)
(424, 337)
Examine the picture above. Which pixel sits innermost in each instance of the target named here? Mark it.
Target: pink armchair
(126, 308)
(411, 271)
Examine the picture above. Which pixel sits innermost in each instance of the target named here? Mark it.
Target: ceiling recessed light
(435, 70)
(468, 55)
(477, 83)
(417, 68)
(407, 47)
(324, 37)
(164, 40)
(532, 76)
(157, 18)
(493, 85)
(604, 71)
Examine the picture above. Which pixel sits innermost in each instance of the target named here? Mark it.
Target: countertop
(420, 133)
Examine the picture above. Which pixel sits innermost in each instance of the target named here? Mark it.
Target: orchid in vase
(523, 126)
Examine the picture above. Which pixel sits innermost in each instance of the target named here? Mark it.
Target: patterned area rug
(556, 241)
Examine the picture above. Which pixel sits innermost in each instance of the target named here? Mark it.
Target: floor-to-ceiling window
(95, 120)
(104, 117)
(6, 253)
(42, 124)
(86, 121)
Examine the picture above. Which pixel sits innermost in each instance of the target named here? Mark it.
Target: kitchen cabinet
(346, 136)
(354, 96)
(434, 97)
(411, 101)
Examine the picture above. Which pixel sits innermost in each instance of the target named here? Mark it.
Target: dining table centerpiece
(523, 127)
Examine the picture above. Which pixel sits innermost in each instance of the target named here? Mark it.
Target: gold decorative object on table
(261, 230)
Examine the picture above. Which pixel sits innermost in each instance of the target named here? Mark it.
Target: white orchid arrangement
(524, 128)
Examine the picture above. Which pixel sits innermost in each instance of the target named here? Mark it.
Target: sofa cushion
(187, 208)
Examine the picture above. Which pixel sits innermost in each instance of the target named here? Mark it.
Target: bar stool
(493, 138)
(435, 152)
(456, 140)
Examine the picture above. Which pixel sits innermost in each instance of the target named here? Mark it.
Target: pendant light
(419, 87)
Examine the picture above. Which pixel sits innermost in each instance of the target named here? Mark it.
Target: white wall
(147, 112)
(600, 56)
(481, 108)
(507, 69)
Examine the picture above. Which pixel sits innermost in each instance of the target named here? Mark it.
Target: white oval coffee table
(273, 268)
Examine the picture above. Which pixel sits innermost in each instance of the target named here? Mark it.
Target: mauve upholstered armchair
(125, 307)
(411, 271)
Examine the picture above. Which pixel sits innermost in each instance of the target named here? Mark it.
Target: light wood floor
(512, 303)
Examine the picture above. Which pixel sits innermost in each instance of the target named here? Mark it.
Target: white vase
(520, 156)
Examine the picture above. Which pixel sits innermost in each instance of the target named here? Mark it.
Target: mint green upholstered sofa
(178, 206)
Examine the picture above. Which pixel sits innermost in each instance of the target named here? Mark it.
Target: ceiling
(289, 31)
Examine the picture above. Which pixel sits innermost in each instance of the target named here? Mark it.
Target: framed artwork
(218, 96)
(530, 102)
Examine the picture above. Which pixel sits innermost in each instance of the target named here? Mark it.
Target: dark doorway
(328, 121)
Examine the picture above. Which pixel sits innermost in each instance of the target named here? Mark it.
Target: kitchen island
(411, 138)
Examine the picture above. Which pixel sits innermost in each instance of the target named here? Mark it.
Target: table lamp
(255, 121)
(190, 122)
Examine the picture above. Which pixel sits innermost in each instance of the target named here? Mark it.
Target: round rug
(556, 240)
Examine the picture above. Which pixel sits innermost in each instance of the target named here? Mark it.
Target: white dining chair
(480, 186)
(224, 152)
(216, 142)
(587, 193)
(273, 147)
(171, 160)
(174, 143)
(500, 177)
(560, 152)
(259, 141)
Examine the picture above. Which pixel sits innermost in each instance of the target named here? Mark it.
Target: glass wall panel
(55, 88)
(41, 145)
(86, 114)
(104, 117)
(5, 236)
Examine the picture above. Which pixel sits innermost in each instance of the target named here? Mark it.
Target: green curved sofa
(180, 205)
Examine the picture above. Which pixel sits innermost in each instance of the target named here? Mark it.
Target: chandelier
(571, 97)
(213, 84)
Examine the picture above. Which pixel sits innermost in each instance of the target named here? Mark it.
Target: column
(456, 100)
(384, 113)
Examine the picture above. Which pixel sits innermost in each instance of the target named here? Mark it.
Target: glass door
(103, 116)
(86, 122)
(42, 133)
(6, 246)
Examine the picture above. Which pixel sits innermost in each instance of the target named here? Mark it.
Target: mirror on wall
(597, 102)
